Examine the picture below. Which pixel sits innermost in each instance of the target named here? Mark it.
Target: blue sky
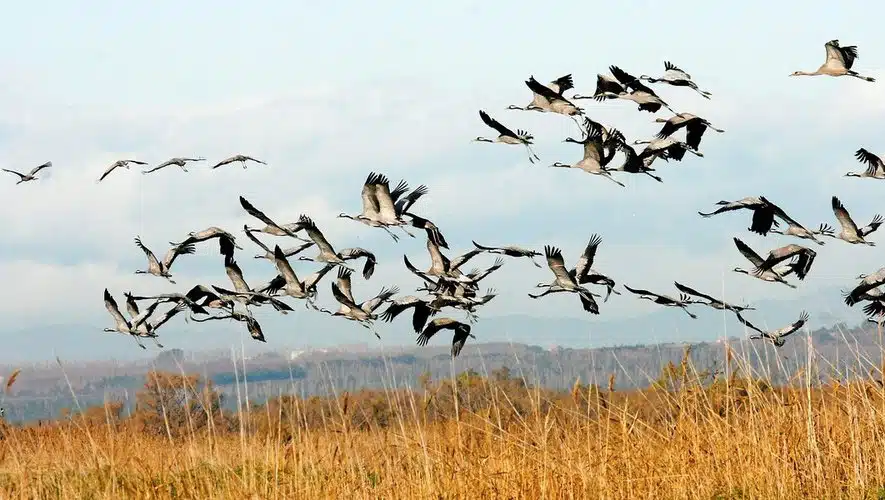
(326, 94)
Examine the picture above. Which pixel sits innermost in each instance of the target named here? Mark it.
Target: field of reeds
(690, 434)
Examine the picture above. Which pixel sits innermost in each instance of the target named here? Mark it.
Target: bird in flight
(30, 176)
(119, 164)
(238, 158)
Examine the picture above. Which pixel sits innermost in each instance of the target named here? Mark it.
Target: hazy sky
(326, 94)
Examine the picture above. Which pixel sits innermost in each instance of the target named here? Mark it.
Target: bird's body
(363, 313)
(268, 253)
(793, 227)
(584, 273)
(802, 257)
(510, 251)
(181, 162)
(682, 302)
(291, 285)
(599, 151)
(272, 226)
(540, 103)
(203, 296)
(461, 333)
(564, 281)
(875, 165)
(634, 163)
(695, 127)
(121, 324)
(867, 283)
(838, 63)
(710, 301)
(776, 336)
(763, 212)
(507, 136)
(252, 324)
(628, 87)
(667, 148)
(371, 214)
(676, 77)
(238, 158)
(30, 176)
(327, 253)
(556, 102)
(392, 205)
(422, 310)
(368, 307)
(163, 268)
(119, 164)
(148, 329)
(771, 275)
(359, 253)
(188, 299)
(226, 241)
(245, 294)
(849, 232)
(607, 87)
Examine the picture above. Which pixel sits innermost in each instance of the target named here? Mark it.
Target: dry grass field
(689, 435)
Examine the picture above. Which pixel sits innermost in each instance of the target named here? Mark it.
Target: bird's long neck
(807, 73)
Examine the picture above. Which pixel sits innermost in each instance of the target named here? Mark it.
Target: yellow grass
(500, 439)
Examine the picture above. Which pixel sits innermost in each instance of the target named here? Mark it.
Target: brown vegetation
(689, 435)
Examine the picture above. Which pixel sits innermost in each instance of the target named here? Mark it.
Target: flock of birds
(444, 284)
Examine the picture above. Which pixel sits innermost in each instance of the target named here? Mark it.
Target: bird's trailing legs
(704, 93)
(580, 126)
(856, 75)
(371, 328)
(403, 229)
(693, 316)
(531, 153)
(135, 337)
(655, 177)
(395, 237)
(547, 291)
(608, 176)
(339, 264)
